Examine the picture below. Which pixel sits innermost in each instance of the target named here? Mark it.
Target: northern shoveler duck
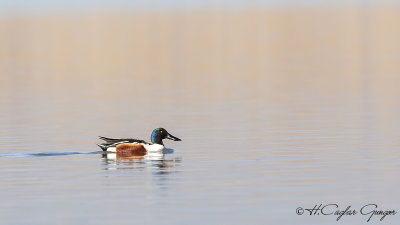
(129, 146)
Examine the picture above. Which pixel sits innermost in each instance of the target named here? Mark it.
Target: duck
(131, 146)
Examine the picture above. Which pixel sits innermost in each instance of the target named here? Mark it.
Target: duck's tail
(103, 146)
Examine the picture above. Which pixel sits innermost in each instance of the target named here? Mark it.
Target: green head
(159, 134)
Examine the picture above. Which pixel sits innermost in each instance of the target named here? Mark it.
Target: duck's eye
(160, 131)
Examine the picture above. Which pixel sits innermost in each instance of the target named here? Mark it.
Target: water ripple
(20, 154)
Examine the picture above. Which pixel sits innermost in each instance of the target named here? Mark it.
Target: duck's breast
(154, 147)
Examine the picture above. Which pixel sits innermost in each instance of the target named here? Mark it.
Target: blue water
(242, 159)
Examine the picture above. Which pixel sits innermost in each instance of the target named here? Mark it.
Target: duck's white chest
(154, 147)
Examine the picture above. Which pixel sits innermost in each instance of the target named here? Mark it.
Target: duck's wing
(112, 141)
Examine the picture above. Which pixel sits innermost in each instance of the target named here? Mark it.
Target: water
(272, 117)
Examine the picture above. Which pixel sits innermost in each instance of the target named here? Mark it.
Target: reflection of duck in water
(135, 156)
(156, 161)
(129, 147)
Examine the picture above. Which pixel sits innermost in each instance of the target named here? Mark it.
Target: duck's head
(159, 134)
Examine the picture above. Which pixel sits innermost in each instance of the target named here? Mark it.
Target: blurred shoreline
(207, 41)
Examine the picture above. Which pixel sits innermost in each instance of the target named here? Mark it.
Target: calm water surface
(261, 135)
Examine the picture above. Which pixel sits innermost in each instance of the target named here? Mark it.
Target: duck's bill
(171, 137)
